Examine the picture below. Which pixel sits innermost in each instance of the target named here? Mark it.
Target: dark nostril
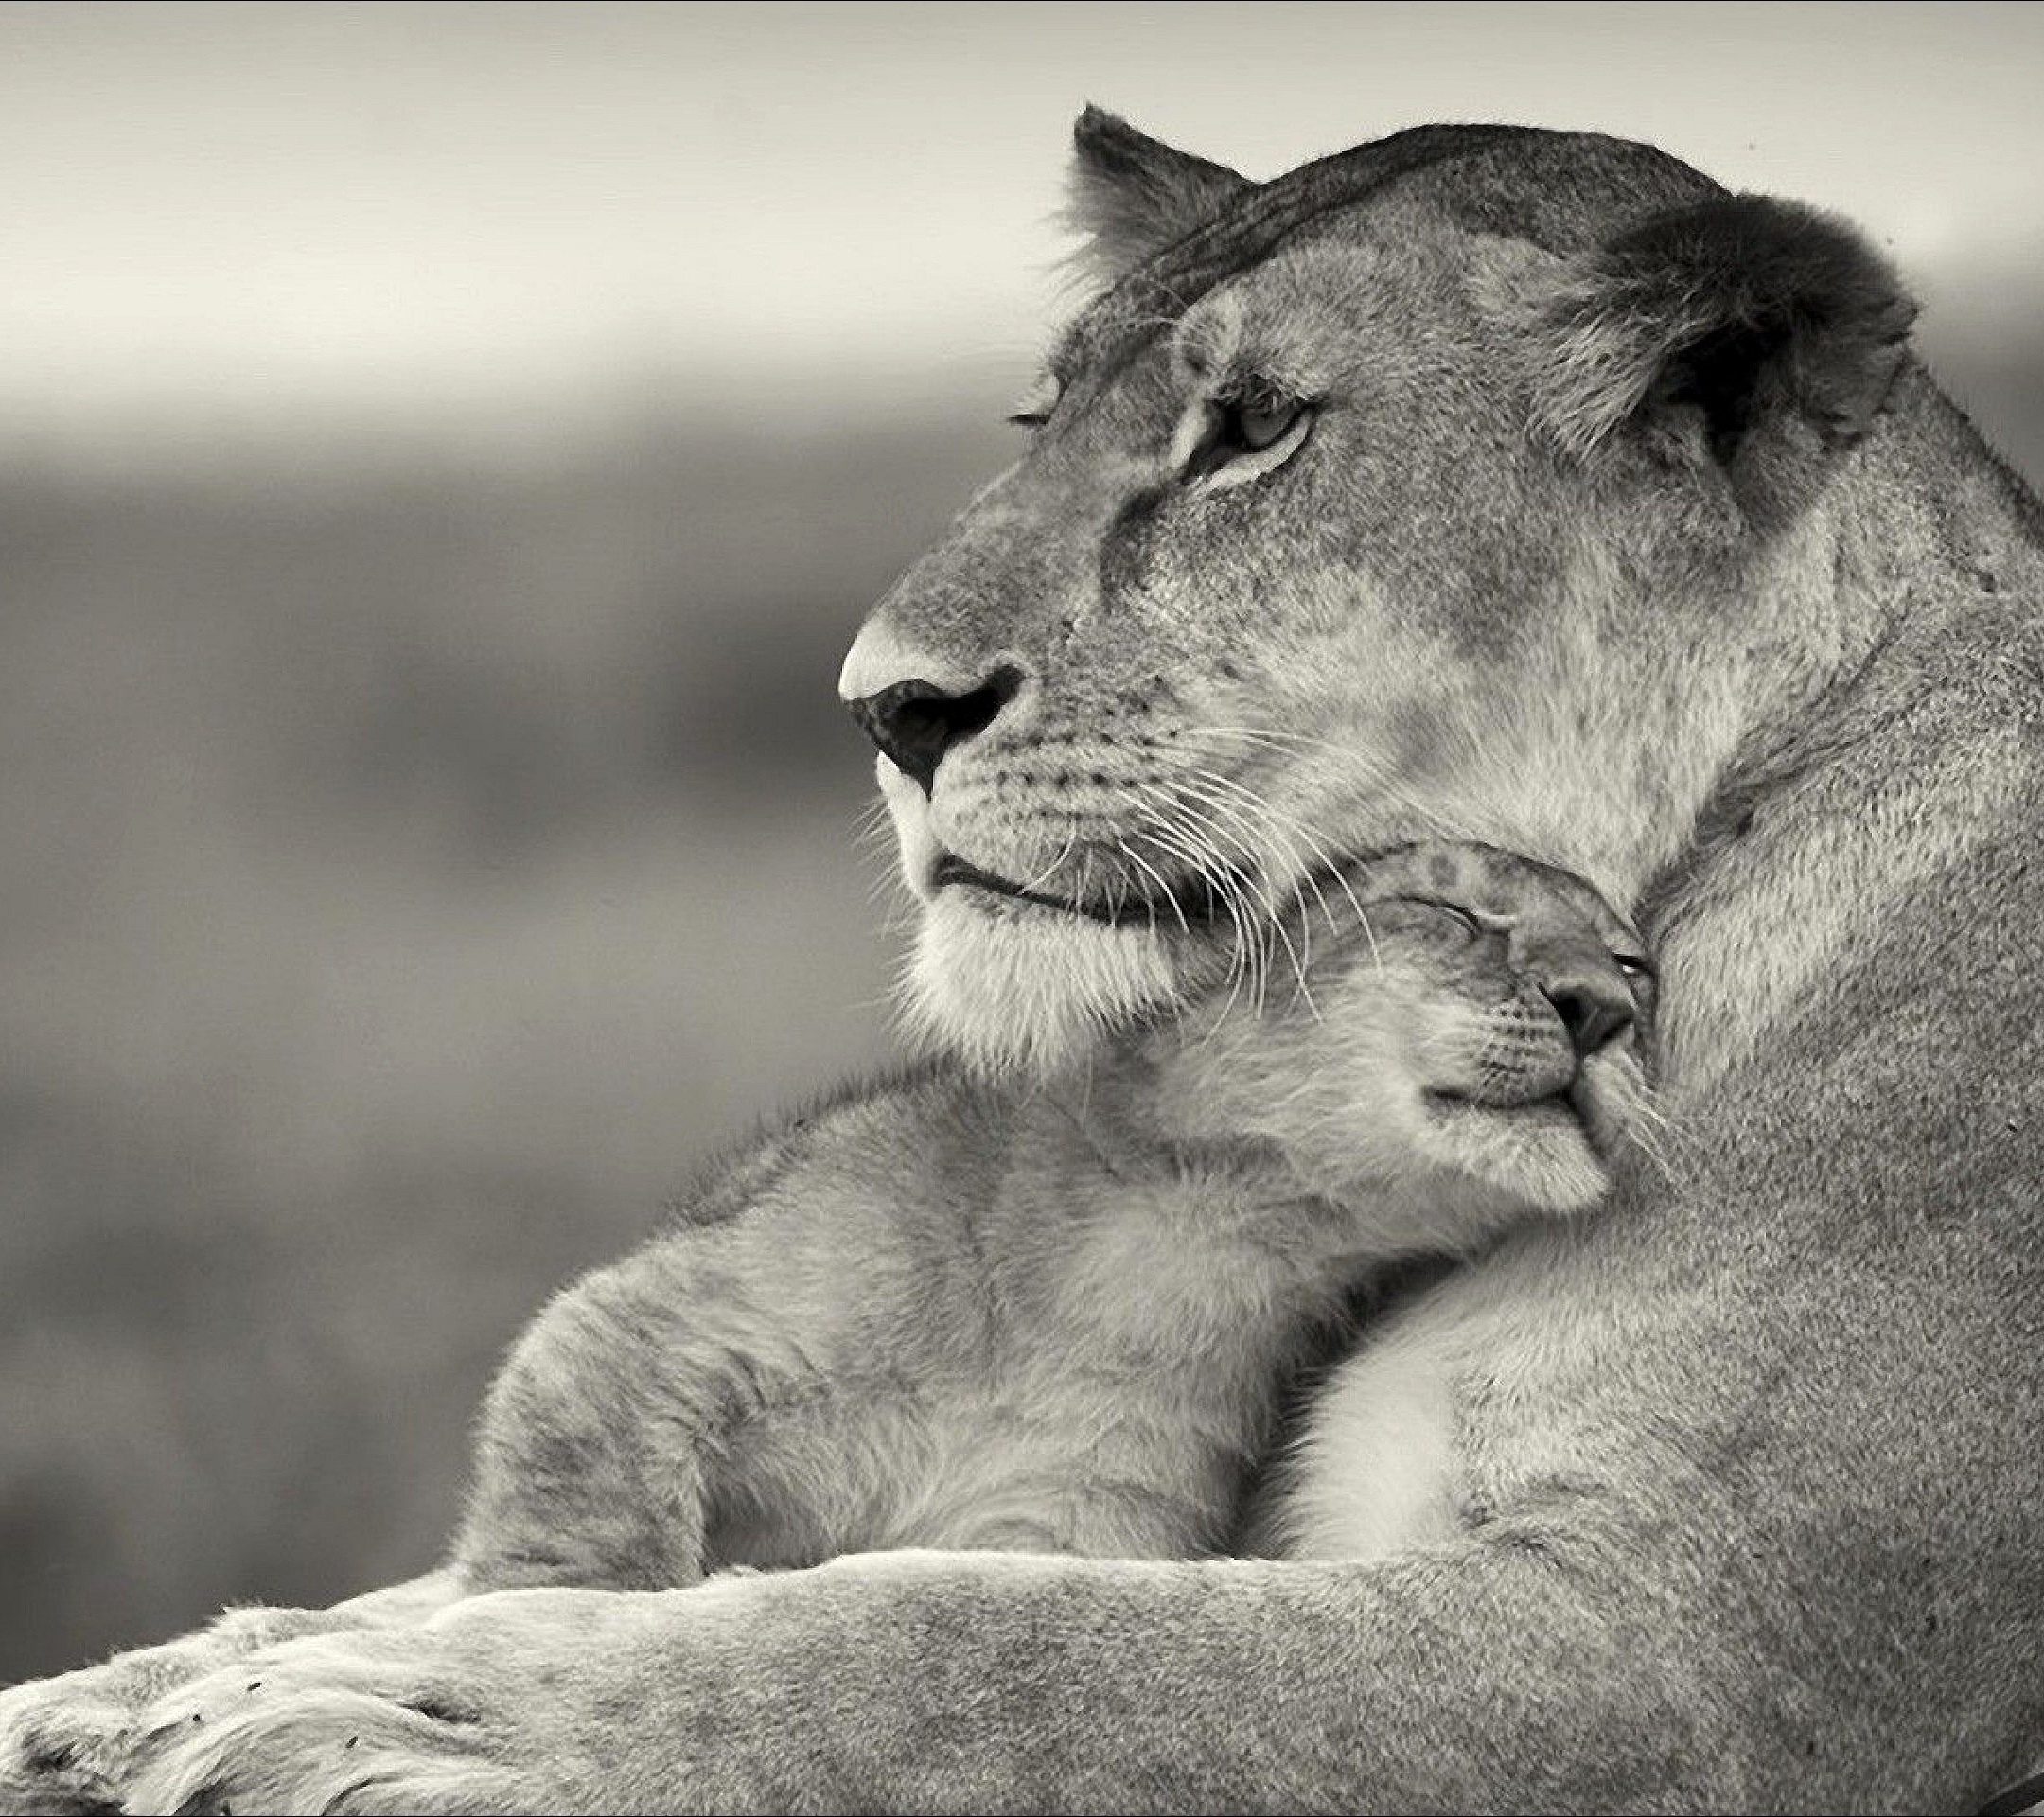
(914, 723)
(1596, 1010)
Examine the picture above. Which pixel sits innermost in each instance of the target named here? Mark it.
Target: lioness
(1517, 487)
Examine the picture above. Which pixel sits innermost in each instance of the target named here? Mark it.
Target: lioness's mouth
(1190, 903)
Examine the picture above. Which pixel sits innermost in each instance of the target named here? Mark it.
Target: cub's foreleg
(733, 1392)
(598, 1443)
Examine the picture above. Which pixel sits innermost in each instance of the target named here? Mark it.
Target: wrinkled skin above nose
(942, 655)
(985, 594)
(1027, 569)
(943, 624)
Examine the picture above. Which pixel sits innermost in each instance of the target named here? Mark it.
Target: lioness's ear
(1133, 195)
(1756, 334)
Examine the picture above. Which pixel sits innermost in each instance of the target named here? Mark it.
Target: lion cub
(957, 1313)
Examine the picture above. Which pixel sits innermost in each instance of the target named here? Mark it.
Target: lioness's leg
(937, 1681)
(622, 1420)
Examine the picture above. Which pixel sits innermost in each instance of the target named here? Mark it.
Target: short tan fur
(1495, 485)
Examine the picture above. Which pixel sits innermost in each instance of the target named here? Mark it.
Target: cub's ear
(1133, 195)
(1757, 335)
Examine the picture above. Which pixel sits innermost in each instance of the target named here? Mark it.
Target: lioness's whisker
(1243, 830)
(1064, 852)
(1248, 834)
(1184, 845)
(1324, 859)
(1174, 834)
(1255, 827)
(1242, 808)
(1163, 889)
(1187, 841)
(1280, 819)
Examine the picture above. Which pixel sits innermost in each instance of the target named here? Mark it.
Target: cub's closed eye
(1472, 922)
(1469, 923)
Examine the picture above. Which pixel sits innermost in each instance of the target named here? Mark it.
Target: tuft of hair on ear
(1132, 196)
(1764, 329)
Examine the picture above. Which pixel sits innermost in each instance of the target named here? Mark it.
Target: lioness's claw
(62, 1751)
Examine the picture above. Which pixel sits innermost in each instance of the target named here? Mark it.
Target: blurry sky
(224, 215)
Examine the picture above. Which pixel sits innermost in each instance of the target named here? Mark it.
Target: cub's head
(1479, 483)
(1462, 1019)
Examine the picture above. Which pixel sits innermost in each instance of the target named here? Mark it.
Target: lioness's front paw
(516, 1700)
(445, 1716)
(63, 1744)
(66, 1742)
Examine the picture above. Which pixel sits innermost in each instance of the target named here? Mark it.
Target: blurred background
(444, 452)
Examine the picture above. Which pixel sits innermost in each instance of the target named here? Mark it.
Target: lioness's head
(1479, 483)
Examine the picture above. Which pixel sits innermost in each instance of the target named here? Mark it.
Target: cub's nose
(1595, 1004)
(914, 723)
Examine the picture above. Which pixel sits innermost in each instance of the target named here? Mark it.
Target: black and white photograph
(1021, 907)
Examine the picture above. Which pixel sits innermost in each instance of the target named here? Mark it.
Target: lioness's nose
(914, 723)
(1595, 1005)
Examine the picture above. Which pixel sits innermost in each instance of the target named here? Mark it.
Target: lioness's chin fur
(1028, 990)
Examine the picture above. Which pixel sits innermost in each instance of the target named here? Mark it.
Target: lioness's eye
(1033, 409)
(1246, 435)
(1256, 422)
(1633, 964)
